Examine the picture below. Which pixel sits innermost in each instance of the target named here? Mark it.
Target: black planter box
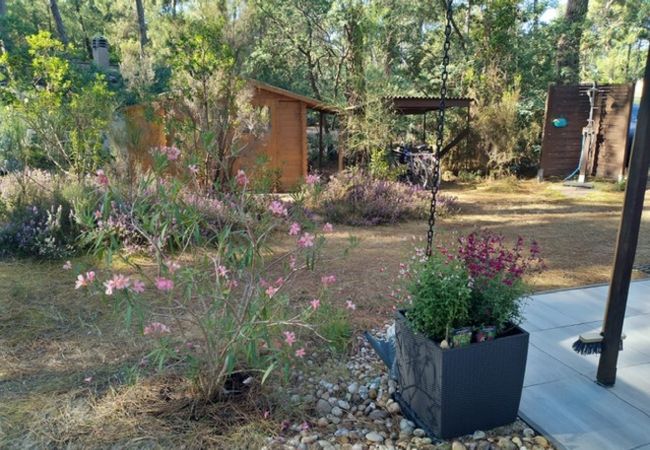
(453, 392)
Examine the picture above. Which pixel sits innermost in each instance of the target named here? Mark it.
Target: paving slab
(561, 398)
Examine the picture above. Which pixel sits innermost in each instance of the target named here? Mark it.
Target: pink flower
(121, 282)
(232, 284)
(328, 228)
(84, 280)
(221, 271)
(328, 280)
(241, 178)
(306, 240)
(278, 209)
(350, 305)
(270, 291)
(315, 304)
(293, 260)
(156, 328)
(81, 282)
(312, 179)
(138, 286)
(88, 379)
(294, 229)
(98, 214)
(289, 337)
(172, 266)
(300, 352)
(67, 265)
(118, 282)
(266, 414)
(193, 169)
(102, 179)
(172, 153)
(109, 287)
(164, 284)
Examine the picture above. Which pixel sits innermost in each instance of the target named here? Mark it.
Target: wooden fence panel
(561, 147)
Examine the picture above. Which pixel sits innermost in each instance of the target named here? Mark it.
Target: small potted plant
(460, 354)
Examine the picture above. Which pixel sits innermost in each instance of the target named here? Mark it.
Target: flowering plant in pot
(459, 350)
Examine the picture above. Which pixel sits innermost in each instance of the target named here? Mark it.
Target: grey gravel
(348, 405)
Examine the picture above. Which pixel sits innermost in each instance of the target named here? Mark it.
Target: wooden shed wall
(144, 131)
(285, 144)
(613, 125)
(561, 147)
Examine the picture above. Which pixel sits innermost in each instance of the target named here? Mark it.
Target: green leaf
(268, 371)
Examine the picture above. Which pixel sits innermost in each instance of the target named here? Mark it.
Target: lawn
(69, 375)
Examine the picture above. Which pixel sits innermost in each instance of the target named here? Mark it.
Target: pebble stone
(374, 437)
(349, 405)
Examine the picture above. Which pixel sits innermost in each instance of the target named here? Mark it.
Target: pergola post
(628, 236)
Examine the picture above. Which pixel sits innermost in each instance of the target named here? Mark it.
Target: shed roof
(311, 103)
(422, 104)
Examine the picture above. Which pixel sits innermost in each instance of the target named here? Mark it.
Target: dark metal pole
(628, 236)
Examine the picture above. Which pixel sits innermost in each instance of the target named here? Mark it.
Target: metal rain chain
(440, 127)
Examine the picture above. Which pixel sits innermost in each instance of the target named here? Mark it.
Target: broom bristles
(589, 345)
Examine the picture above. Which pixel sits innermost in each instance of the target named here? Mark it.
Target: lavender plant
(353, 197)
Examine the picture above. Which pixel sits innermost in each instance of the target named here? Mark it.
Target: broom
(592, 343)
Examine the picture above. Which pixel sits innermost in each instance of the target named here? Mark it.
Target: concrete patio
(561, 398)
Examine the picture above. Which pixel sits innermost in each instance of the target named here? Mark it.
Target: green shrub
(440, 297)
(333, 324)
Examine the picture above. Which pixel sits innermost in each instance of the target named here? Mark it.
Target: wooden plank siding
(561, 147)
(284, 144)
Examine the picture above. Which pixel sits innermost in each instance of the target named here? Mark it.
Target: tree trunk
(89, 50)
(60, 28)
(141, 24)
(568, 46)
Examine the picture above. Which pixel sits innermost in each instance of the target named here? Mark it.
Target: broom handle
(628, 236)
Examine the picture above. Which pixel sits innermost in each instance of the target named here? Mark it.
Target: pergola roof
(421, 105)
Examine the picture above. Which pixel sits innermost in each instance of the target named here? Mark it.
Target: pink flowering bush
(218, 304)
(158, 212)
(477, 283)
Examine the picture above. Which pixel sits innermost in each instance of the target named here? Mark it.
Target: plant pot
(456, 391)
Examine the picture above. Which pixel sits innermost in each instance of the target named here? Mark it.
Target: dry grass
(52, 337)
(575, 228)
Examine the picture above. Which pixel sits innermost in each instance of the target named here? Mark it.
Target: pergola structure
(416, 105)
